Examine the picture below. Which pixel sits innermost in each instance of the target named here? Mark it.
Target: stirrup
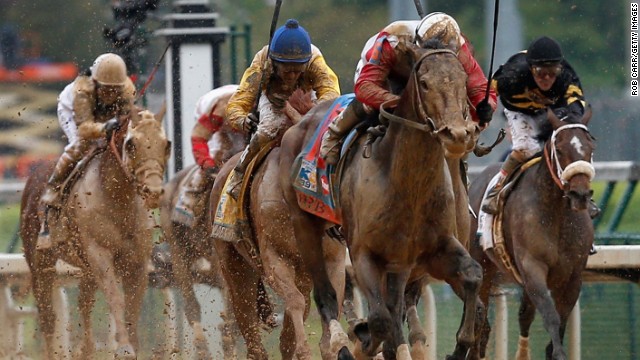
(44, 239)
(490, 204)
(234, 186)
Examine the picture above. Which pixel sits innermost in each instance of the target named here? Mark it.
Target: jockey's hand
(111, 126)
(484, 112)
(278, 101)
(250, 123)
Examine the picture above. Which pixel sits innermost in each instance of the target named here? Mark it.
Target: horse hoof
(345, 354)
(125, 352)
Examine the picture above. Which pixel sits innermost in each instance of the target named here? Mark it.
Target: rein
(429, 125)
(561, 176)
(118, 155)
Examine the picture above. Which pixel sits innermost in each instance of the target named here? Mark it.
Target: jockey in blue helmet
(290, 63)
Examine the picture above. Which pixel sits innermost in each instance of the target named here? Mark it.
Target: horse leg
(86, 299)
(101, 262)
(379, 322)
(183, 258)
(242, 284)
(526, 314)
(309, 241)
(43, 275)
(281, 277)
(134, 284)
(417, 336)
(483, 328)
(395, 345)
(566, 295)
(453, 264)
(535, 285)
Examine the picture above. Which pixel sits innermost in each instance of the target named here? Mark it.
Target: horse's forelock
(433, 44)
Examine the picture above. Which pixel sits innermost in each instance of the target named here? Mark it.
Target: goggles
(548, 70)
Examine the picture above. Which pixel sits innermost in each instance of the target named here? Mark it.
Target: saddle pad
(230, 222)
(312, 177)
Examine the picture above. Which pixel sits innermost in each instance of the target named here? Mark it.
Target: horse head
(569, 152)
(439, 83)
(145, 154)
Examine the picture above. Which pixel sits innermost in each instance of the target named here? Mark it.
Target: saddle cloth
(230, 221)
(314, 181)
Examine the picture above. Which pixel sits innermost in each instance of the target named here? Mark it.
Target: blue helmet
(291, 43)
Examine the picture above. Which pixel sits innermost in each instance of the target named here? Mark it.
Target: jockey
(528, 83)
(209, 115)
(292, 63)
(89, 108)
(377, 66)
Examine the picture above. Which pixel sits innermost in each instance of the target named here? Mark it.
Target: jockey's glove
(111, 126)
(250, 123)
(484, 112)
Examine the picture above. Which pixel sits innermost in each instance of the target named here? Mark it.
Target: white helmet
(441, 26)
(109, 69)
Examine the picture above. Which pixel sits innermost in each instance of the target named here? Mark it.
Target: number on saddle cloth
(314, 180)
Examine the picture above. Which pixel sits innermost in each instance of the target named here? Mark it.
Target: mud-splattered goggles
(548, 70)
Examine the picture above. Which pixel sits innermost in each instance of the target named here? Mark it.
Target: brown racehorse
(278, 263)
(104, 227)
(547, 232)
(187, 245)
(398, 209)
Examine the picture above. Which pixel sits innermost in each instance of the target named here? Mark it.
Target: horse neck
(113, 178)
(545, 183)
(409, 150)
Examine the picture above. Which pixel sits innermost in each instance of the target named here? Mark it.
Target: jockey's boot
(234, 184)
(490, 203)
(339, 127)
(65, 165)
(44, 240)
(191, 197)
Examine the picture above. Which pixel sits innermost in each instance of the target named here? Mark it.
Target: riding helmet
(544, 50)
(441, 26)
(109, 69)
(291, 44)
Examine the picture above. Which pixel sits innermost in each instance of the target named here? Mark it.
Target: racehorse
(187, 245)
(104, 228)
(547, 232)
(273, 258)
(398, 208)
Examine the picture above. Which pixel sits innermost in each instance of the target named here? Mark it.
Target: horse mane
(433, 44)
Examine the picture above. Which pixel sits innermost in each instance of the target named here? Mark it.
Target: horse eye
(424, 85)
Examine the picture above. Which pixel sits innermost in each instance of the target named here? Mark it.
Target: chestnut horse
(187, 245)
(398, 209)
(547, 233)
(104, 228)
(276, 261)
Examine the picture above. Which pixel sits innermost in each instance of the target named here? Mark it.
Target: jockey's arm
(84, 105)
(242, 101)
(476, 81)
(205, 127)
(371, 87)
(323, 78)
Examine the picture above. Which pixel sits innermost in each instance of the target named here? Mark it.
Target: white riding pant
(66, 115)
(524, 132)
(273, 123)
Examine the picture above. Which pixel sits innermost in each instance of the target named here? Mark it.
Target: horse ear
(553, 119)
(160, 114)
(586, 116)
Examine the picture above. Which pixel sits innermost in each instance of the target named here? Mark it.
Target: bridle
(562, 176)
(428, 125)
(131, 173)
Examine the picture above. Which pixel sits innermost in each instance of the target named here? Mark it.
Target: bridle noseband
(562, 176)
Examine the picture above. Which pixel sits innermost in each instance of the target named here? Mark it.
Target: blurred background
(44, 44)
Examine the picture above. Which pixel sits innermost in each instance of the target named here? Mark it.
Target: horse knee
(471, 273)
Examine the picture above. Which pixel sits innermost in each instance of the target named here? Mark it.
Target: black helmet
(543, 51)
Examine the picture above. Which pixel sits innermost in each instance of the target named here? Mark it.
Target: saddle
(230, 222)
(499, 247)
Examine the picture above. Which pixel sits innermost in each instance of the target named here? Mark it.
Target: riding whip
(419, 8)
(274, 21)
(493, 47)
(153, 72)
